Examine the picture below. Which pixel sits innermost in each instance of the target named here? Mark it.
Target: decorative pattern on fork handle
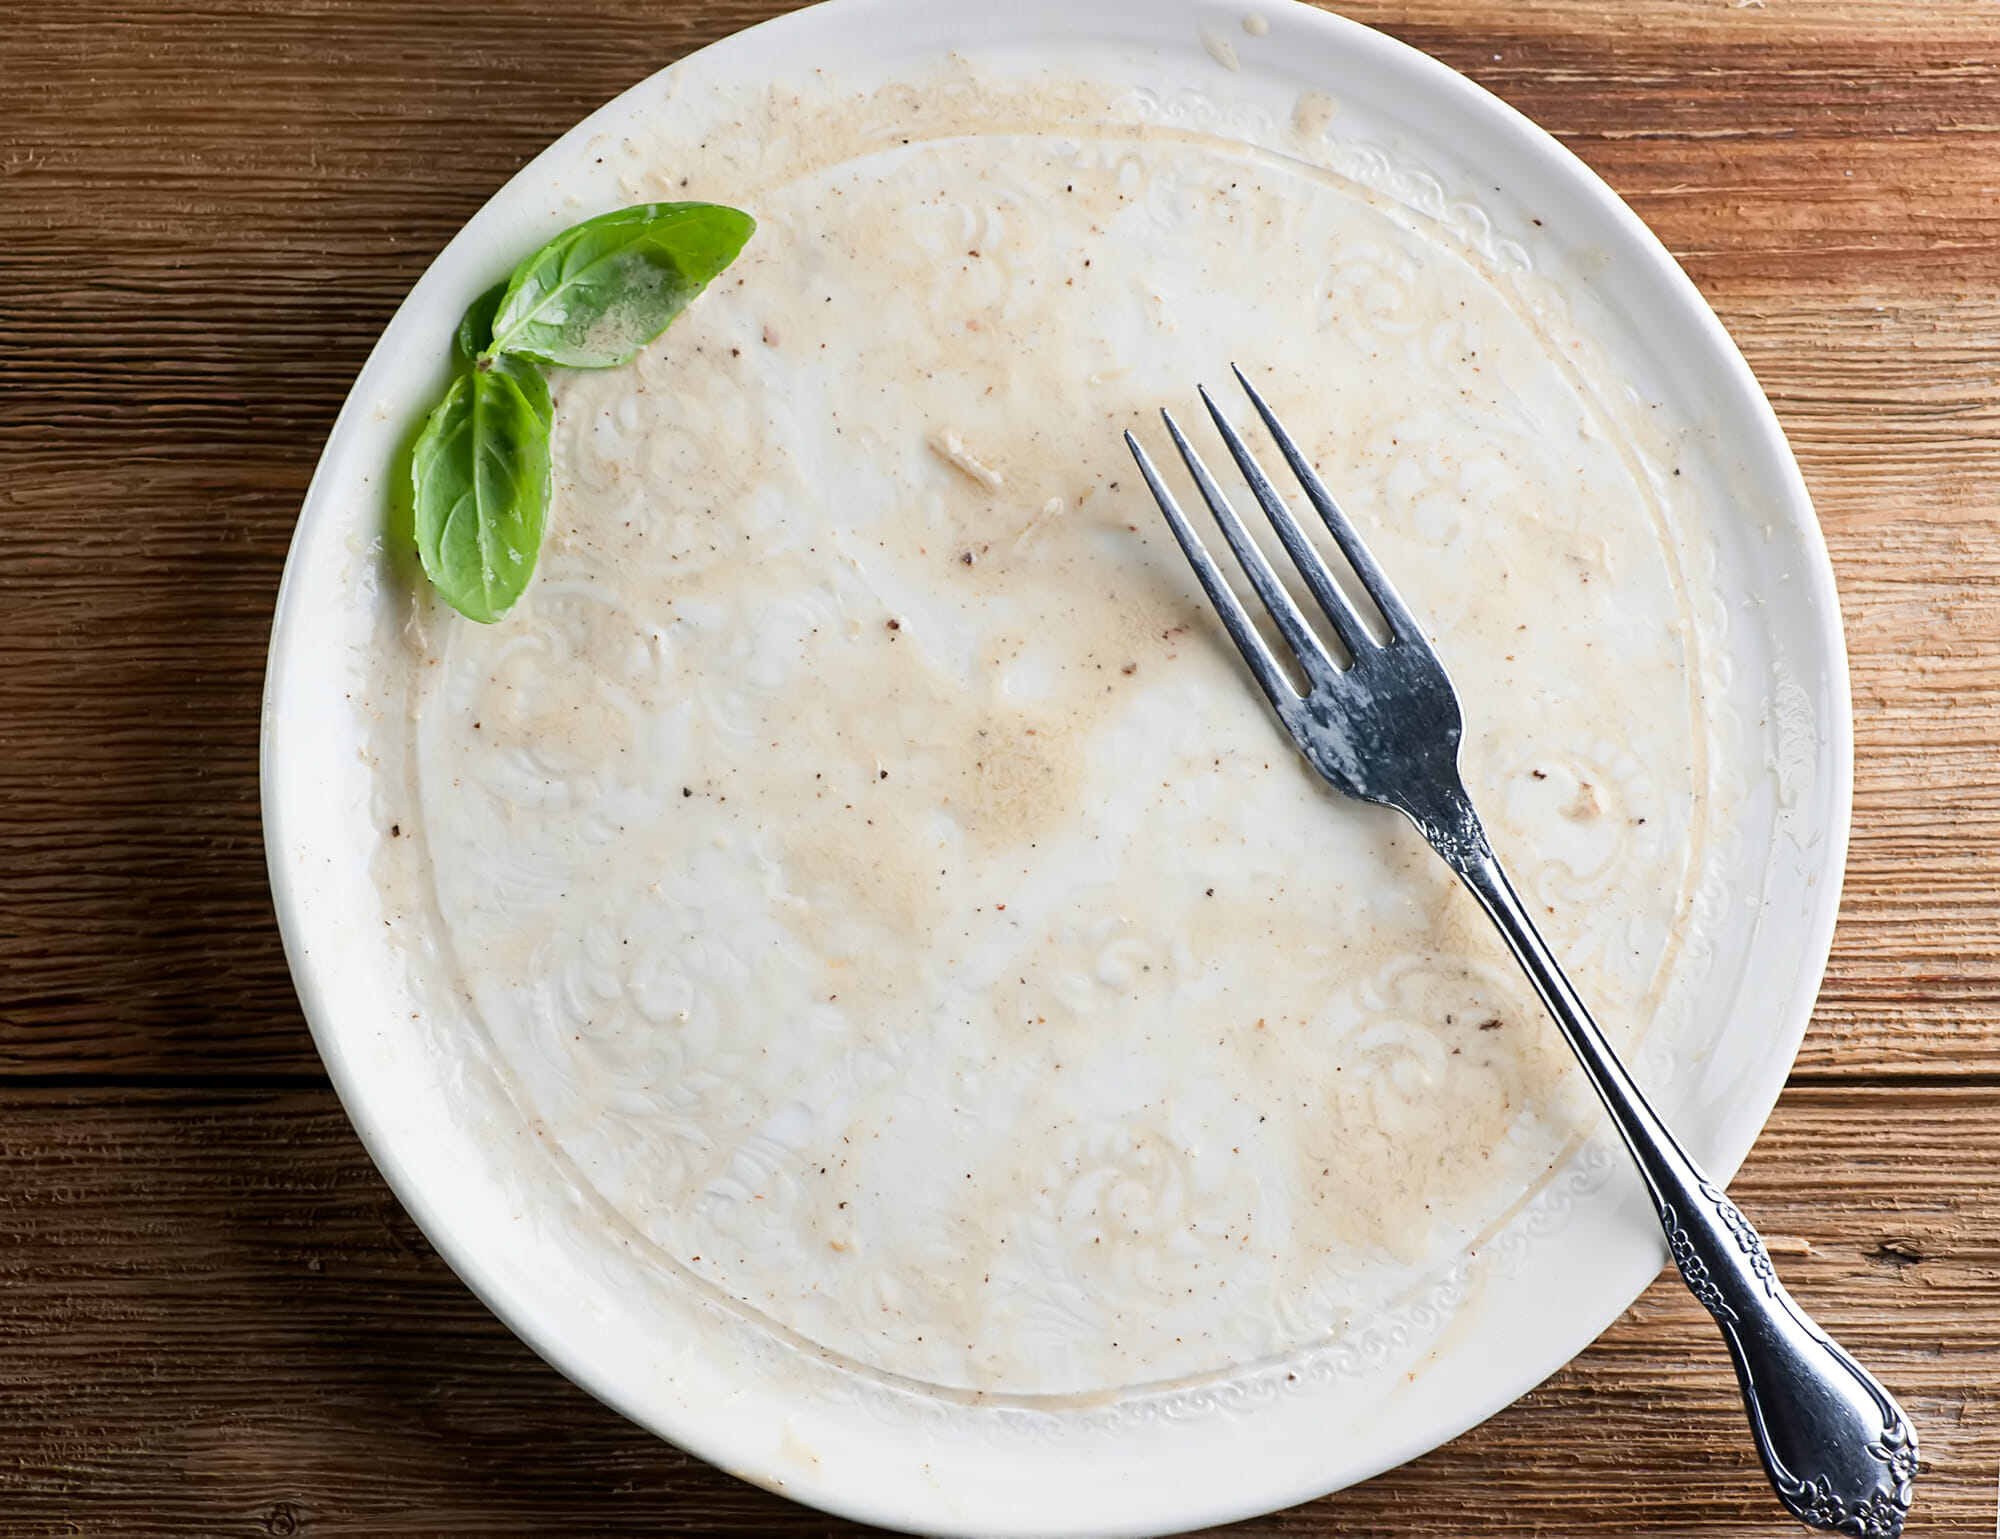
(1693, 1272)
(1385, 728)
(1881, 1512)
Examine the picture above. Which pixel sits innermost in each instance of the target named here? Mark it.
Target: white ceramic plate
(550, 1256)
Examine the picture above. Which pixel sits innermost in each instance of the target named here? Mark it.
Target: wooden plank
(209, 222)
(212, 1313)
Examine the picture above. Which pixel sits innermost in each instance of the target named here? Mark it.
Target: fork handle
(1837, 1447)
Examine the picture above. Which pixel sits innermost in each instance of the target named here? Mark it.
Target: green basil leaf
(597, 293)
(480, 475)
(534, 385)
(475, 328)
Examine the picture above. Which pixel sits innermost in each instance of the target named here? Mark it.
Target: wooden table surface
(216, 1320)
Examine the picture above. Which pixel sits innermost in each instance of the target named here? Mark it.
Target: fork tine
(1228, 607)
(1310, 650)
(1402, 624)
(1346, 619)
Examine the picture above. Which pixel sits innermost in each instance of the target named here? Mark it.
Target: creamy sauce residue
(876, 872)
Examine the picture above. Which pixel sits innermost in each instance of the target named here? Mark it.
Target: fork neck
(1451, 825)
(1445, 816)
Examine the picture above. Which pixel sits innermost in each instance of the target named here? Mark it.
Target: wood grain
(213, 1309)
(214, 1319)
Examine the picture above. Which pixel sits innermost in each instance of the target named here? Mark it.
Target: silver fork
(1386, 728)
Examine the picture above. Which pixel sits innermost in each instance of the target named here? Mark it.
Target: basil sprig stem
(590, 299)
